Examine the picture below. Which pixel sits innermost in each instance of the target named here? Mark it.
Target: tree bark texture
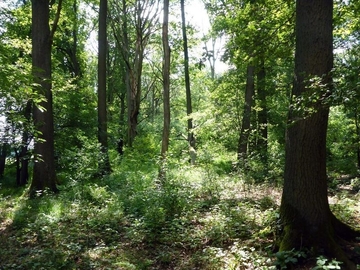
(104, 163)
(262, 114)
(305, 213)
(44, 168)
(166, 86)
(191, 137)
(246, 119)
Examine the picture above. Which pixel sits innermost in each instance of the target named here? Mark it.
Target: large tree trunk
(191, 137)
(262, 115)
(104, 163)
(166, 88)
(246, 119)
(44, 168)
(305, 213)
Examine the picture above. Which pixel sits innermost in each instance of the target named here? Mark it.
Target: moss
(289, 238)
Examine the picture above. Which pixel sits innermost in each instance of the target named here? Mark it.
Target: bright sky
(197, 15)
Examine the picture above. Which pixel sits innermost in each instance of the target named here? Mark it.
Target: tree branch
(56, 21)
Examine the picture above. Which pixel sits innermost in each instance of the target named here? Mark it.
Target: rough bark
(191, 137)
(44, 168)
(262, 115)
(166, 88)
(305, 213)
(104, 163)
(246, 119)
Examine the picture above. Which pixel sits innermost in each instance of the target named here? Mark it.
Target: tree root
(325, 240)
(334, 250)
(343, 230)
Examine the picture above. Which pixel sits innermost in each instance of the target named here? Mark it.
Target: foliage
(128, 220)
(288, 258)
(201, 218)
(324, 263)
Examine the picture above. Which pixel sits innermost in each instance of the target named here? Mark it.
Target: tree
(260, 46)
(246, 119)
(305, 213)
(262, 114)
(3, 155)
(133, 25)
(18, 96)
(44, 175)
(104, 163)
(191, 137)
(166, 87)
(22, 175)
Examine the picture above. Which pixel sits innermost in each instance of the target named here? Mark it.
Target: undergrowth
(200, 218)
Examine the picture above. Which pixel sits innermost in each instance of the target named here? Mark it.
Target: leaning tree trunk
(44, 167)
(305, 213)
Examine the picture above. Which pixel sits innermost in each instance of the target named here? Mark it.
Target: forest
(204, 134)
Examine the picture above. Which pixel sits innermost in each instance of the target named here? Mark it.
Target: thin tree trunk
(74, 56)
(3, 154)
(305, 213)
(166, 88)
(357, 125)
(246, 120)
(104, 163)
(23, 175)
(44, 168)
(191, 137)
(122, 123)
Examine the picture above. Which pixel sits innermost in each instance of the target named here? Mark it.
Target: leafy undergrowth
(197, 219)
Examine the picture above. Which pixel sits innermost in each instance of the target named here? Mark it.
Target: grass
(199, 219)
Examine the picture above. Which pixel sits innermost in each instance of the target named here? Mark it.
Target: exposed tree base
(321, 241)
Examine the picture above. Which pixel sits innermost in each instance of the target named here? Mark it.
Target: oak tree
(305, 212)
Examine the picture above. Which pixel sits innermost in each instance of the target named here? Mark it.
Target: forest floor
(197, 220)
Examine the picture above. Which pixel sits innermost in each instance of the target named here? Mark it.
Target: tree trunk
(3, 154)
(246, 120)
(44, 168)
(305, 213)
(104, 163)
(23, 175)
(191, 137)
(74, 54)
(357, 125)
(166, 88)
(262, 115)
(138, 17)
